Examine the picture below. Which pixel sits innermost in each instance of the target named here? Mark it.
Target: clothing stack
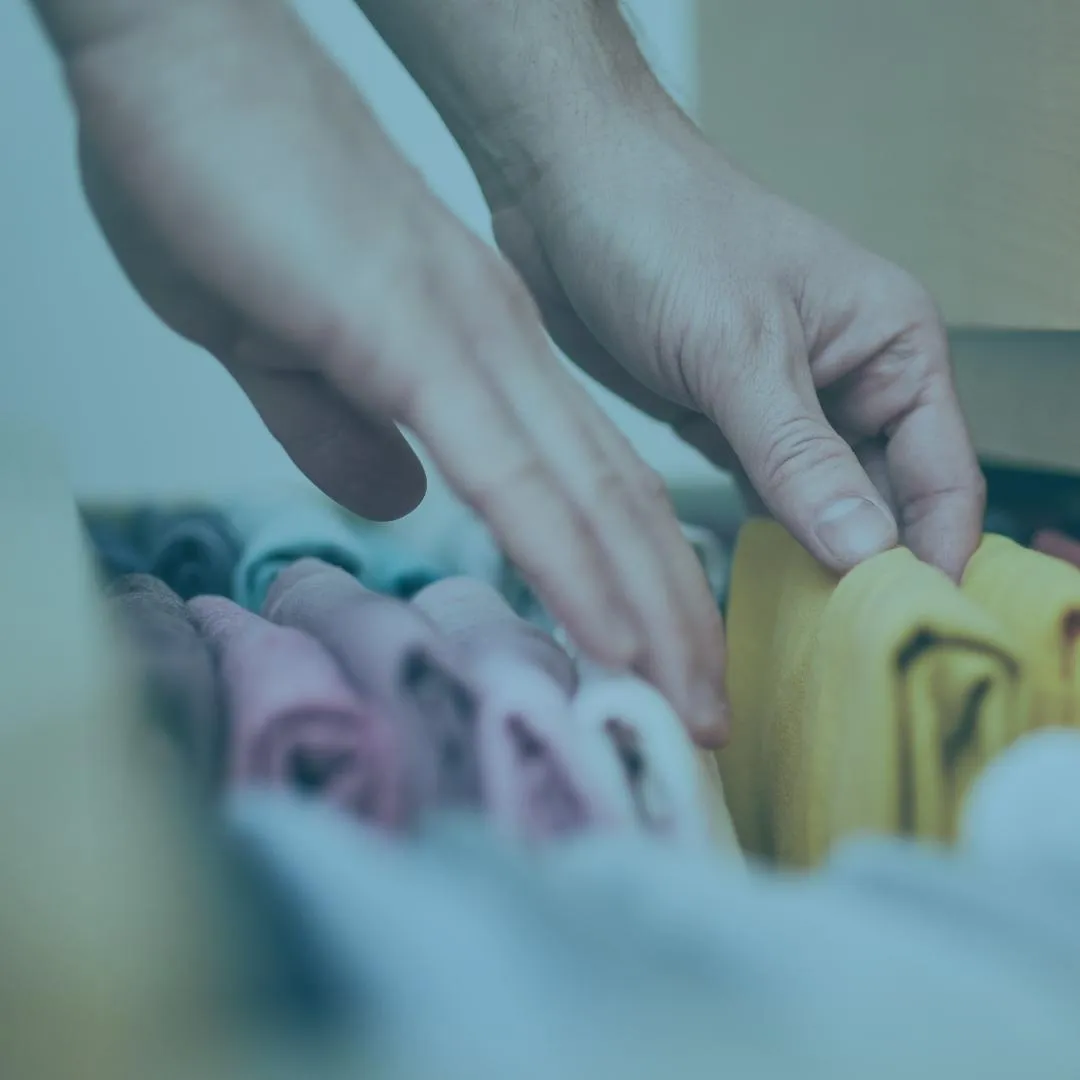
(870, 704)
(394, 710)
(151, 929)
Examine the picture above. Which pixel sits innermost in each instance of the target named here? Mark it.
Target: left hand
(766, 339)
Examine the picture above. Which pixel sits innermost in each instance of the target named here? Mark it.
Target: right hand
(259, 210)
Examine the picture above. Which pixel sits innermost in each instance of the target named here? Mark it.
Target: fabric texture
(864, 704)
(194, 553)
(661, 779)
(176, 670)
(276, 536)
(479, 621)
(1037, 601)
(396, 658)
(614, 956)
(296, 723)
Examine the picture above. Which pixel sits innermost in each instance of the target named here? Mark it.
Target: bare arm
(518, 82)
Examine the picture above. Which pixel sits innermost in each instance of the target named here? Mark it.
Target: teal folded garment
(276, 536)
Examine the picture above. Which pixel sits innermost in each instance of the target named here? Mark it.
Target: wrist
(524, 85)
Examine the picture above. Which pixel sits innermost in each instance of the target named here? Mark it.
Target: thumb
(806, 474)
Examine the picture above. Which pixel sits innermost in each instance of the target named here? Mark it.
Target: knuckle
(517, 480)
(794, 447)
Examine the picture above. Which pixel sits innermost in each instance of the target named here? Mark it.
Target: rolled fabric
(473, 615)
(276, 536)
(194, 553)
(543, 777)
(664, 781)
(116, 554)
(1036, 599)
(177, 670)
(396, 658)
(295, 722)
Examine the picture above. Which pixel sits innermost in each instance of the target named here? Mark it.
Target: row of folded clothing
(871, 703)
(392, 709)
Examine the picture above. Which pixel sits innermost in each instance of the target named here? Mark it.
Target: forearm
(518, 82)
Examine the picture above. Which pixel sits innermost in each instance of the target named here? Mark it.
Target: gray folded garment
(176, 672)
(616, 956)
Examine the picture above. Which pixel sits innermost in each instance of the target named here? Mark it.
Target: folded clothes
(176, 669)
(662, 780)
(296, 723)
(1058, 544)
(276, 536)
(475, 616)
(116, 554)
(543, 777)
(471, 958)
(393, 654)
(1037, 599)
(864, 704)
(194, 553)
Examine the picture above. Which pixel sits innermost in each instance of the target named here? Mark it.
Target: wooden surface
(942, 133)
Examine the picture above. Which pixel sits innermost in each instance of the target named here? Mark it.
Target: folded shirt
(296, 723)
(176, 671)
(396, 658)
(195, 553)
(277, 535)
(1036, 599)
(865, 704)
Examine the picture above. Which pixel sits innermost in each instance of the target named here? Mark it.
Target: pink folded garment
(395, 656)
(1057, 544)
(662, 781)
(474, 616)
(543, 777)
(296, 723)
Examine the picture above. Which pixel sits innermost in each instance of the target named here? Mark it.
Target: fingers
(939, 489)
(904, 402)
(563, 492)
(686, 622)
(807, 475)
(366, 466)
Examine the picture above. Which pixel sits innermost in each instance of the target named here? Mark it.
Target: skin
(256, 205)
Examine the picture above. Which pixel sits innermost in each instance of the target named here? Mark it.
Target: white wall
(138, 411)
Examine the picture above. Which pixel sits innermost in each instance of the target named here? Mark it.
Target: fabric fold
(194, 553)
(478, 620)
(1037, 599)
(396, 658)
(660, 772)
(176, 670)
(278, 535)
(295, 722)
(867, 704)
(542, 778)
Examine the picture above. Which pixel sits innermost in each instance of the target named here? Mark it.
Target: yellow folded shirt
(1037, 600)
(868, 703)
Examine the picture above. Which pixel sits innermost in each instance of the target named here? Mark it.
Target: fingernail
(708, 717)
(854, 529)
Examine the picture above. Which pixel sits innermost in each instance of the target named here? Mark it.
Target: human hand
(257, 207)
(766, 339)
